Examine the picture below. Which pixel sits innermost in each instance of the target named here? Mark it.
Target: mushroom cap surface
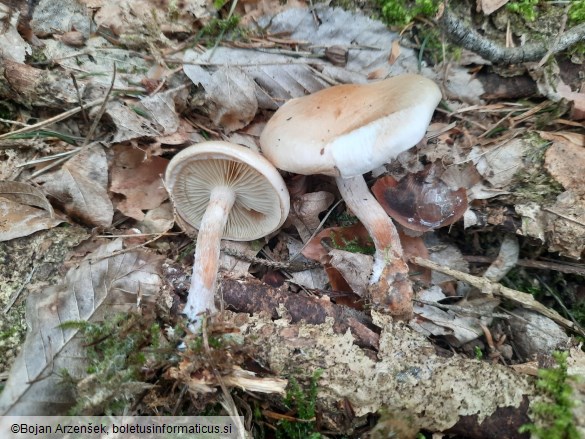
(348, 130)
(262, 200)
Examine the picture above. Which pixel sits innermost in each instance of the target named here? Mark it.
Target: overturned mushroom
(346, 131)
(223, 190)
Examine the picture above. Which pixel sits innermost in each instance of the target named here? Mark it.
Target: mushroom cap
(348, 130)
(262, 200)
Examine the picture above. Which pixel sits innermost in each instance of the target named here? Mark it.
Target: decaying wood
(253, 296)
(407, 379)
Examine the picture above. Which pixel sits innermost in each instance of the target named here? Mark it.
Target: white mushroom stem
(202, 290)
(389, 283)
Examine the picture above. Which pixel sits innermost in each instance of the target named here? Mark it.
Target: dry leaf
(506, 260)
(129, 125)
(161, 109)
(565, 160)
(577, 98)
(12, 45)
(17, 220)
(489, 6)
(421, 201)
(275, 77)
(355, 269)
(305, 212)
(458, 328)
(80, 187)
(25, 193)
(314, 278)
(139, 179)
(90, 292)
(498, 164)
(394, 52)
(566, 225)
(158, 220)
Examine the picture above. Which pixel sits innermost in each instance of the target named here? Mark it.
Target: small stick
(488, 287)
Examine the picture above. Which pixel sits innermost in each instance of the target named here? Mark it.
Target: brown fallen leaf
(80, 187)
(100, 285)
(17, 220)
(565, 160)
(490, 6)
(138, 178)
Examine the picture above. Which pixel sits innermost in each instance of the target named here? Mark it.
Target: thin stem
(202, 290)
(390, 287)
(379, 225)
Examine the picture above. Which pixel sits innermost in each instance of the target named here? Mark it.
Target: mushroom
(222, 190)
(345, 131)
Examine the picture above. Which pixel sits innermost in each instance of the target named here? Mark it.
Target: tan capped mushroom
(223, 190)
(346, 131)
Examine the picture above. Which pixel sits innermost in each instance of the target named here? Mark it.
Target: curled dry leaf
(306, 209)
(506, 260)
(313, 278)
(342, 238)
(80, 187)
(138, 178)
(420, 201)
(23, 210)
(355, 269)
(99, 286)
(456, 325)
(157, 220)
(498, 164)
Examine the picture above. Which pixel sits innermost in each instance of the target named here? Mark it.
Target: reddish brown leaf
(139, 179)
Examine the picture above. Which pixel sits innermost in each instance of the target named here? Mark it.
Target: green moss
(525, 8)
(219, 26)
(577, 12)
(353, 245)
(401, 12)
(556, 416)
(119, 352)
(302, 402)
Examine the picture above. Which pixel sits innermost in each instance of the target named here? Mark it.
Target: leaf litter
(233, 88)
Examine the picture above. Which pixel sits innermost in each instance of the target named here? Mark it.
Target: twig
(487, 287)
(101, 112)
(278, 265)
(462, 35)
(568, 218)
(127, 250)
(528, 263)
(316, 230)
(83, 112)
(52, 120)
(16, 295)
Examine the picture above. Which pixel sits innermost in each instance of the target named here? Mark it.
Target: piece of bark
(499, 87)
(36, 87)
(253, 296)
(406, 378)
